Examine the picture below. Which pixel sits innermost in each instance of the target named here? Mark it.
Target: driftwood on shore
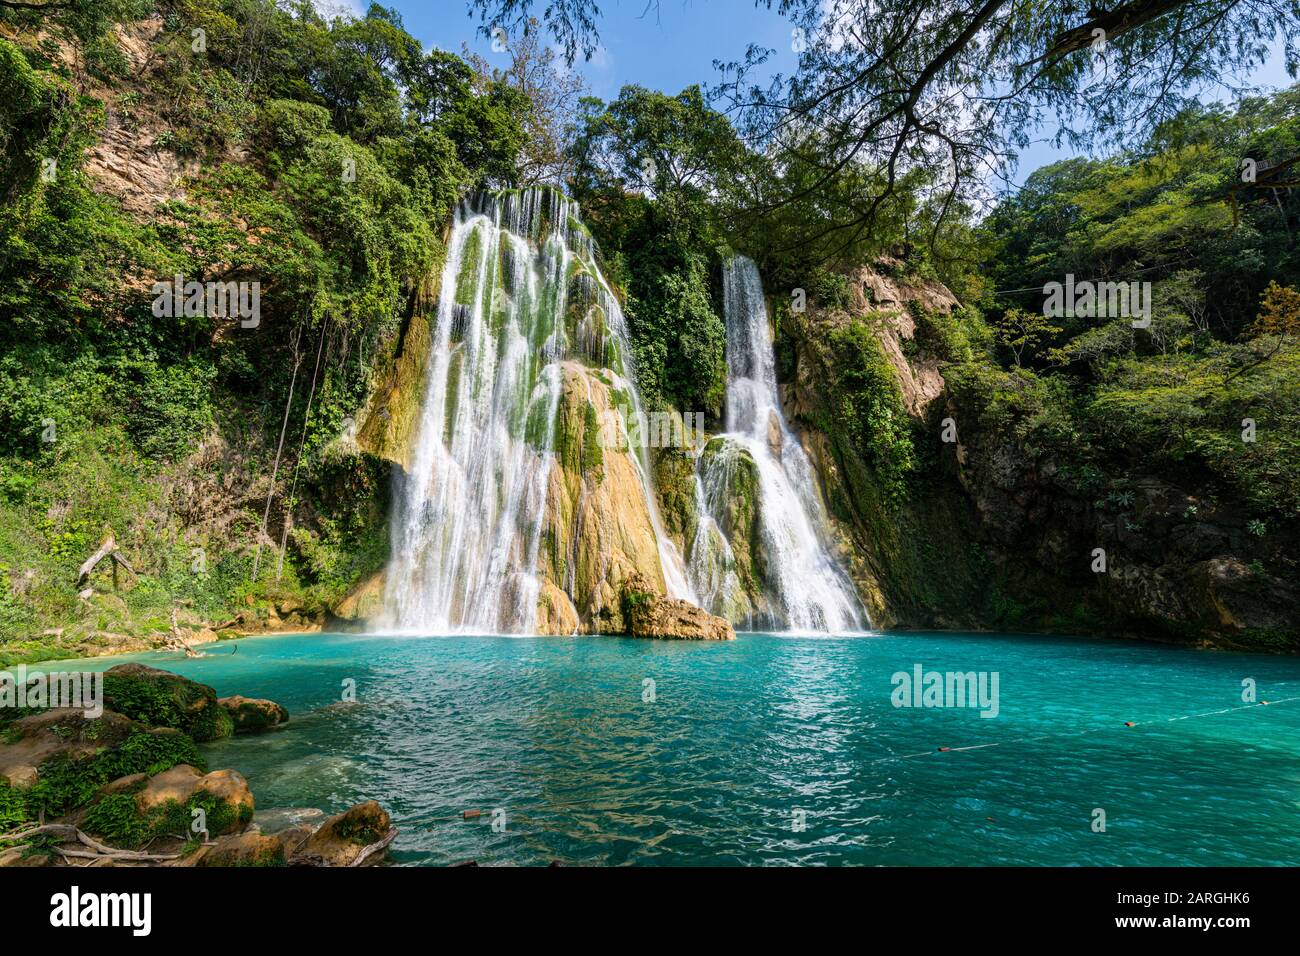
(96, 850)
(108, 550)
(377, 847)
(178, 641)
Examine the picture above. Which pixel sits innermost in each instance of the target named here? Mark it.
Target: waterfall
(520, 295)
(804, 588)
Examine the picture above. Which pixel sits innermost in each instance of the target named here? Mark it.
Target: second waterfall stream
(527, 501)
(789, 579)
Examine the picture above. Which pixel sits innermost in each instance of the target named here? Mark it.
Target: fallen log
(67, 833)
(109, 550)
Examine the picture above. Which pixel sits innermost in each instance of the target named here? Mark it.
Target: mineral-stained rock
(598, 531)
(652, 615)
(340, 840)
(250, 714)
(555, 612)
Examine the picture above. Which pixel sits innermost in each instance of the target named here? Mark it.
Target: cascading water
(471, 510)
(804, 587)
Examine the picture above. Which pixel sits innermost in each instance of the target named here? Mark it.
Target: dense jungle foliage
(325, 156)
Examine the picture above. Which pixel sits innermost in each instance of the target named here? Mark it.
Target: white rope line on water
(1076, 733)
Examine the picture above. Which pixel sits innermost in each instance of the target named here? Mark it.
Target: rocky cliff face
(598, 533)
(992, 535)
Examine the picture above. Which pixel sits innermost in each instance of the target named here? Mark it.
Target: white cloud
(329, 9)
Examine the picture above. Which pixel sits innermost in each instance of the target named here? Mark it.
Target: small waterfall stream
(805, 588)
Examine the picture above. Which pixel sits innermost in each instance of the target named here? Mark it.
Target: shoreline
(1119, 639)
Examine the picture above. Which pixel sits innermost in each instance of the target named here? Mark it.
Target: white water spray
(470, 512)
(806, 590)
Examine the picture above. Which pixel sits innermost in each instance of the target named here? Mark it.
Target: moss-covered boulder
(162, 699)
(172, 809)
(75, 758)
(251, 714)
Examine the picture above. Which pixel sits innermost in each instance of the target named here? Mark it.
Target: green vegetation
(319, 158)
(867, 406)
(66, 782)
(1106, 399)
(161, 699)
(117, 818)
(645, 169)
(322, 158)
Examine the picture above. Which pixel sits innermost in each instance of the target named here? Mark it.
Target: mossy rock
(340, 840)
(165, 805)
(251, 715)
(730, 478)
(71, 778)
(160, 698)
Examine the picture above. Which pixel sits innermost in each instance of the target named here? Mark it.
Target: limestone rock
(363, 602)
(20, 857)
(598, 531)
(652, 615)
(555, 612)
(230, 787)
(250, 848)
(671, 618)
(181, 782)
(178, 784)
(63, 731)
(389, 422)
(340, 840)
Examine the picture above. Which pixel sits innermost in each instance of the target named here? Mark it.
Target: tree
(1023, 332)
(553, 94)
(656, 143)
(87, 20)
(648, 169)
(954, 88)
(1278, 319)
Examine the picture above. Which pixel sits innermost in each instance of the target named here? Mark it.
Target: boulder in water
(162, 699)
(682, 620)
(351, 838)
(250, 714)
(649, 614)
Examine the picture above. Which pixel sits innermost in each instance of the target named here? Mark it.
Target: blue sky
(677, 46)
